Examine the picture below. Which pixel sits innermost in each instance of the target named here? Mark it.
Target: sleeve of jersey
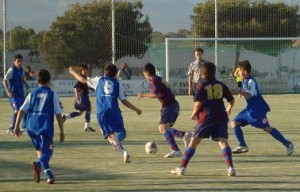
(25, 106)
(57, 104)
(9, 74)
(252, 87)
(190, 72)
(93, 82)
(122, 94)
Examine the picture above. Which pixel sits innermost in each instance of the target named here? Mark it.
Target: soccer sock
(87, 116)
(227, 155)
(171, 141)
(176, 133)
(49, 173)
(86, 124)
(277, 135)
(239, 135)
(188, 154)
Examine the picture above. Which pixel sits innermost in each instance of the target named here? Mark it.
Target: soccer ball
(151, 148)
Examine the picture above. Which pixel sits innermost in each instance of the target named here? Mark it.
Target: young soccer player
(212, 117)
(110, 120)
(169, 112)
(255, 113)
(82, 101)
(13, 84)
(41, 105)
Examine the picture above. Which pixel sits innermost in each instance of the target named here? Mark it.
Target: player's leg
(86, 106)
(16, 103)
(184, 135)
(276, 134)
(36, 165)
(240, 120)
(77, 113)
(186, 157)
(227, 155)
(46, 154)
(175, 151)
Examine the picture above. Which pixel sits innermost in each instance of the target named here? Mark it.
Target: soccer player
(13, 84)
(41, 105)
(255, 113)
(194, 70)
(110, 120)
(82, 101)
(169, 112)
(212, 117)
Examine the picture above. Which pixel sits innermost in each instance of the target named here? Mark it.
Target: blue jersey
(211, 93)
(14, 76)
(41, 105)
(255, 103)
(162, 89)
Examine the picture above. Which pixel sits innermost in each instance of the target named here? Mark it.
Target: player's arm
(131, 106)
(17, 130)
(229, 107)
(77, 76)
(190, 85)
(7, 76)
(196, 109)
(149, 95)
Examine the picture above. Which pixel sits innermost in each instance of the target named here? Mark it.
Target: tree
(21, 38)
(83, 34)
(248, 18)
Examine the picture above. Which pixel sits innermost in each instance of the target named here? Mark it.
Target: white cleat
(290, 149)
(126, 157)
(178, 171)
(173, 154)
(231, 172)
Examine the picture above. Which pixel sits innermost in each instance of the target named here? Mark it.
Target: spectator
(124, 73)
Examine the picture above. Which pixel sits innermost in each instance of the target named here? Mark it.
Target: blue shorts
(169, 113)
(84, 105)
(16, 102)
(110, 123)
(41, 142)
(211, 129)
(257, 119)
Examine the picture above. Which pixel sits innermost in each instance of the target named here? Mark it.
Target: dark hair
(208, 69)
(18, 56)
(43, 77)
(82, 67)
(245, 65)
(199, 50)
(150, 69)
(110, 70)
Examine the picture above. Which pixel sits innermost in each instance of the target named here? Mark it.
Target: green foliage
(83, 34)
(21, 38)
(246, 18)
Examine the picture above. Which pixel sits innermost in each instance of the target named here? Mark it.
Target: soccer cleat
(178, 171)
(231, 172)
(63, 118)
(289, 149)
(50, 180)
(186, 138)
(240, 149)
(173, 154)
(89, 129)
(36, 171)
(10, 131)
(126, 157)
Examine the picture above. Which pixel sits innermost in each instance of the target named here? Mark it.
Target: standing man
(13, 84)
(194, 70)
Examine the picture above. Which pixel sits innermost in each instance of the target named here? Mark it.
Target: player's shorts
(41, 142)
(110, 123)
(257, 119)
(16, 102)
(84, 105)
(169, 113)
(211, 129)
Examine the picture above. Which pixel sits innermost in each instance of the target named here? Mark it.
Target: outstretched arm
(149, 95)
(131, 106)
(76, 75)
(240, 92)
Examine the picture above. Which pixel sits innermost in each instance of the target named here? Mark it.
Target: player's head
(18, 60)
(110, 70)
(83, 69)
(198, 53)
(208, 71)
(149, 70)
(245, 69)
(43, 77)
